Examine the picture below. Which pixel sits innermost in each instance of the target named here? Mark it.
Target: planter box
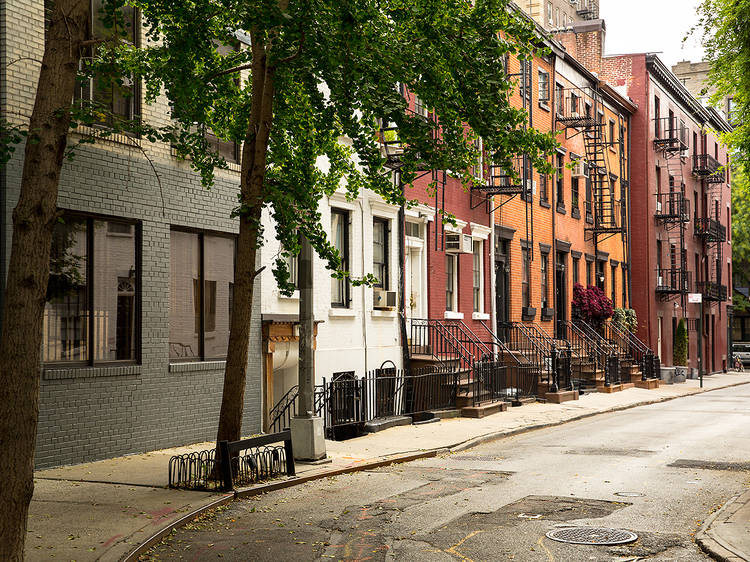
(680, 374)
(667, 374)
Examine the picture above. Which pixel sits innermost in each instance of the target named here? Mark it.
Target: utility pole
(308, 439)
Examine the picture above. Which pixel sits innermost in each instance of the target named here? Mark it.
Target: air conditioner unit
(456, 243)
(658, 206)
(660, 281)
(575, 115)
(581, 169)
(383, 300)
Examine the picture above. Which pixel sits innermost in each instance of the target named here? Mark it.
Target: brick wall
(97, 412)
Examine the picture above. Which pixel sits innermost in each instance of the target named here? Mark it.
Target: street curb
(711, 545)
(273, 486)
(389, 460)
(495, 436)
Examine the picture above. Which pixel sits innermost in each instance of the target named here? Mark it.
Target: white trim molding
(451, 315)
(458, 229)
(479, 231)
(480, 316)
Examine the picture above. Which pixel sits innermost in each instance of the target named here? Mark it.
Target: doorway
(561, 294)
(502, 284)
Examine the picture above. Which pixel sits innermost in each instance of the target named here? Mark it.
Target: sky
(639, 26)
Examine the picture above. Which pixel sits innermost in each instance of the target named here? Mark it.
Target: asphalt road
(676, 462)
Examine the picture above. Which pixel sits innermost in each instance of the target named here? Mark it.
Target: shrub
(591, 305)
(679, 351)
(627, 318)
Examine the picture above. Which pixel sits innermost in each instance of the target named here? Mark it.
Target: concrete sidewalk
(726, 536)
(104, 510)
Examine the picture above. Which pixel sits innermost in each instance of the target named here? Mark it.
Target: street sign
(695, 298)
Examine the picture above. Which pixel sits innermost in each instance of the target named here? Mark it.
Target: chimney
(585, 42)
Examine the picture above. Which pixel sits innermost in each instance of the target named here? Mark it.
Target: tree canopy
(726, 37)
(339, 70)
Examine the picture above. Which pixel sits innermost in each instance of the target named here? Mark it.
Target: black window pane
(219, 274)
(115, 283)
(184, 296)
(66, 312)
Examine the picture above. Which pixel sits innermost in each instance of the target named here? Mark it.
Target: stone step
(562, 396)
(484, 410)
(648, 384)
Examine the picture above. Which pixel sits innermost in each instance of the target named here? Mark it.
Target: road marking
(452, 550)
(549, 554)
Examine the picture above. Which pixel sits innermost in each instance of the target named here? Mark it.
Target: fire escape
(582, 110)
(709, 228)
(672, 210)
(588, 9)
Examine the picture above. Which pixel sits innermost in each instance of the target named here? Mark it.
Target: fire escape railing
(672, 207)
(708, 168)
(710, 229)
(672, 281)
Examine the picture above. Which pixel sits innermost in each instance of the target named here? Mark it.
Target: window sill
(480, 316)
(293, 297)
(544, 203)
(544, 106)
(376, 313)
(528, 313)
(341, 313)
(589, 219)
(561, 209)
(547, 314)
(57, 373)
(197, 366)
(575, 213)
(450, 315)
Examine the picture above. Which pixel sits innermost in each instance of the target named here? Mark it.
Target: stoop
(561, 396)
(648, 384)
(609, 389)
(484, 410)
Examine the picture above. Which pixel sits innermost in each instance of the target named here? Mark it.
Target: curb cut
(711, 545)
(407, 457)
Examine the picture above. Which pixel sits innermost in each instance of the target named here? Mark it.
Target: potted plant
(591, 305)
(679, 351)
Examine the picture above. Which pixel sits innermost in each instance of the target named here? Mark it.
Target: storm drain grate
(592, 535)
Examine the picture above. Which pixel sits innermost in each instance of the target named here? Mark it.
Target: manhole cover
(592, 535)
(630, 494)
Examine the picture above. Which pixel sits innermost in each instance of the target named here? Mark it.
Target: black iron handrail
(610, 351)
(710, 229)
(432, 337)
(285, 409)
(638, 350)
(586, 347)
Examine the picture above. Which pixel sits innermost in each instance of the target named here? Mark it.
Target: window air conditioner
(660, 281)
(456, 243)
(581, 169)
(658, 206)
(383, 300)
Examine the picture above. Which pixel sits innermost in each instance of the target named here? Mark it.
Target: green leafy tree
(313, 82)
(740, 236)
(726, 37)
(680, 349)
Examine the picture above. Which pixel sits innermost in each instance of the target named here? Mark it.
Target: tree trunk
(33, 221)
(251, 190)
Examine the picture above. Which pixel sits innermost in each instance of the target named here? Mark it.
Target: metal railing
(285, 409)
(672, 281)
(521, 375)
(588, 355)
(610, 352)
(637, 349)
(446, 341)
(560, 358)
(672, 207)
(705, 165)
(712, 291)
(710, 229)
(670, 133)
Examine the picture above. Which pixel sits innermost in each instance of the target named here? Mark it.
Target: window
(476, 271)
(624, 287)
(419, 107)
(613, 283)
(589, 273)
(526, 279)
(659, 257)
(658, 180)
(201, 291)
(550, 21)
(560, 177)
(543, 87)
(543, 195)
(413, 229)
(559, 98)
(611, 137)
(574, 193)
(450, 282)
(657, 117)
(118, 95)
(589, 196)
(380, 256)
(544, 269)
(292, 264)
(90, 314)
(600, 279)
(525, 83)
(576, 273)
(476, 169)
(340, 241)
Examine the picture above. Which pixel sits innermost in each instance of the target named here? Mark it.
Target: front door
(502, 296)
(561, 295)
(658, 336)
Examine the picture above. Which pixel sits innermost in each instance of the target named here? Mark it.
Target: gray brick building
(137, 317)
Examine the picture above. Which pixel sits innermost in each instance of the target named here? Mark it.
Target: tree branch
(295, 55)
(240, 68)
(22, 58)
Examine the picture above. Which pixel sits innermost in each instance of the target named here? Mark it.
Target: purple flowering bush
(591, 305)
